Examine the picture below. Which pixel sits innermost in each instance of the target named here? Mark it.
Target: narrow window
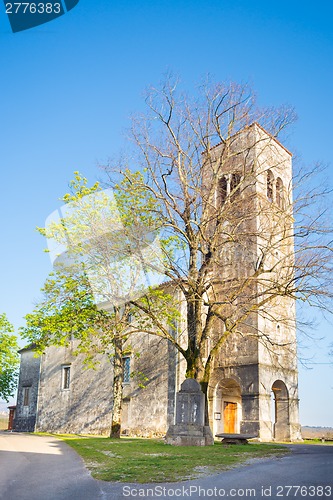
(270, 181)
(26, 396)
(223, 190)
(234, 185)
(279, 192)
(127, 369)
(66, 377)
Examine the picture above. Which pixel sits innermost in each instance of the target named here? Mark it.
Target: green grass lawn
(151, 460)
(317, 441)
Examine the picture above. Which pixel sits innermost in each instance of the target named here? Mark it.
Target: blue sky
(68, 89)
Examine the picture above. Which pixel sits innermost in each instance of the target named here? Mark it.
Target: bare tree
(239, 250)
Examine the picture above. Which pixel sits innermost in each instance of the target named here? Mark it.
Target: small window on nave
(66, 377)
(26, 396)
(127, 369)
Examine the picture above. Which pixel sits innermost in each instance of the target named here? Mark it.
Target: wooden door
(11, 418)
(230, 417)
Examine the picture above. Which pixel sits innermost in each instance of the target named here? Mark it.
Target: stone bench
(235, 438)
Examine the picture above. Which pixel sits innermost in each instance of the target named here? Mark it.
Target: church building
(253, 387)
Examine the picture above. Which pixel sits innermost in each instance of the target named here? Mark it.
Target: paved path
(44, 468)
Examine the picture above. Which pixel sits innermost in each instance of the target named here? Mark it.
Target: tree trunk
(118, 371)
(204, 388)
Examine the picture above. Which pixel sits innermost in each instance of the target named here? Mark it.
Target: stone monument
(190, 428)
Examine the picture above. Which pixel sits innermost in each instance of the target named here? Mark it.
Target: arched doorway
(227, 407)
(281, 427)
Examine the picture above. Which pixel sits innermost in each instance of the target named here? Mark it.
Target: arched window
(270, 182)
(279, 192)
(234, 185)
(223, 190)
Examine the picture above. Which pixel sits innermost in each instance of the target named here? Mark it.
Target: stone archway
(281, 428)
(227, 407)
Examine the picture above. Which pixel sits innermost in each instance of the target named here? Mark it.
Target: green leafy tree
(9, 359)
(68, 311)
(86, 298)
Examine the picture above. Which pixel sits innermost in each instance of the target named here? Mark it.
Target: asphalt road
(44, 468)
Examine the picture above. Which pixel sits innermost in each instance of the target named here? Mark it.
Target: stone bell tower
(254, 384)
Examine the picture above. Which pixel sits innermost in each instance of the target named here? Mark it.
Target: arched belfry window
(223, 189)
(279, 192)
(234, 185)
(270, 183)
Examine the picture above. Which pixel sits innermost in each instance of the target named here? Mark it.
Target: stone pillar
(190, 429)
(250, 411)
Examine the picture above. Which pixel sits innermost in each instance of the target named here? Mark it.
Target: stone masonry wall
(27, 393)
(86, 406)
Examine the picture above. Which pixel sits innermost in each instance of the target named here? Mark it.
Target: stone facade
(250, 381)
(27, 394)
(255, 375)
(76, 399)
